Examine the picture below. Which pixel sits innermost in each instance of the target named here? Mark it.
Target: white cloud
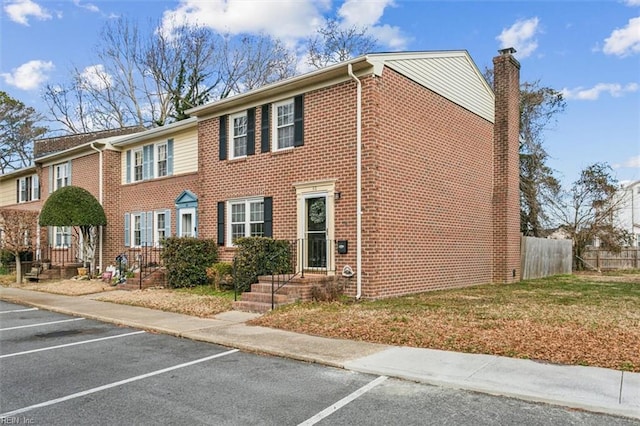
(19, 11)
(89, 6)
(632, 3)
(95, 77)
(284, 19)
(631, 162)
(353, 13)
(29, 76)
(624, 41)
(288, 20)
(521, 36)
(591, 94)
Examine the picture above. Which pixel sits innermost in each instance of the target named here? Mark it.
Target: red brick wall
(328, 153)
(427, 220)
(506, 168)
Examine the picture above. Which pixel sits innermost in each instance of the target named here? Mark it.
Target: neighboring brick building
(407, 160)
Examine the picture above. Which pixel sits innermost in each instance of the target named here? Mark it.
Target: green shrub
(187, 259)
(259, 256)
(220, 275)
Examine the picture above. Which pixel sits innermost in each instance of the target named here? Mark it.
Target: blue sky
(588, 49)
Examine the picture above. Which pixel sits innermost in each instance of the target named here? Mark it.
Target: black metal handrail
(146, 259)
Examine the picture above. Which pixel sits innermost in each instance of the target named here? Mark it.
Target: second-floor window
(149, 162)
(238, 140)
(137, 165)
(161, 164)
(28, 189)
(283, 124)
(61, 175)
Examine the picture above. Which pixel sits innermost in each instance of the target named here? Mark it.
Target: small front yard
(578, 319)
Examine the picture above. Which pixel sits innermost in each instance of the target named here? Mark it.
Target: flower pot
(82, 271)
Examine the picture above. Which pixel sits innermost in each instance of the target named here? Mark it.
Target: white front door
(187, 222)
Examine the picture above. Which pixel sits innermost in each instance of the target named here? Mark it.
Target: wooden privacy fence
(542, 257)
(628, 258)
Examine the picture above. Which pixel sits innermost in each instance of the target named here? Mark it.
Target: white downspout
(358, 184)
(99, 151)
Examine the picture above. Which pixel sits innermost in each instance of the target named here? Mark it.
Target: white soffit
(453, 76)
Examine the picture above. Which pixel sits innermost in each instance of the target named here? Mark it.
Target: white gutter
(358, 184)
(99, 151)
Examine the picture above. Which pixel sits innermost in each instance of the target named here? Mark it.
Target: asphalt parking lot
(57, 369)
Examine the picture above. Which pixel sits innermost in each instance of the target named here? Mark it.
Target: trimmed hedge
(187, 260)
(259, 256)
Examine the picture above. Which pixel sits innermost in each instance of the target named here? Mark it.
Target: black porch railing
(312, 255)
(145, 260)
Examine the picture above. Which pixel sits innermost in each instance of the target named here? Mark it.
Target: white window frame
(136, 217)
(61, 175)
(157, 237)
(28, 192)
(276, 129)
(65, 237)
(134, 165)
(156, 169)
(234, 138)
(181, 231)
(247, 222)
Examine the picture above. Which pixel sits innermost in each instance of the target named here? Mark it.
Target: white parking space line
(111, 385)
(19, 310)
(70, 344)
(41, 324)
(344, 401)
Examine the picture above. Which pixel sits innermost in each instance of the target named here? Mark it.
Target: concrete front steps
(259, 298)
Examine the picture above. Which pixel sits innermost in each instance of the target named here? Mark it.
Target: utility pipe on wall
(99, 151)
(358, 183)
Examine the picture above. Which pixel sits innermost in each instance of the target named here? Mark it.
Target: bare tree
(18, 129)
(587, 211)
(151, 79)
(539, 110)
(334, 43)
(18, 234)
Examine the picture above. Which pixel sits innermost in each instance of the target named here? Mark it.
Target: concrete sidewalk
(589, 388)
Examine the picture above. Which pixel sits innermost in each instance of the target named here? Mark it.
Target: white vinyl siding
(182, 157)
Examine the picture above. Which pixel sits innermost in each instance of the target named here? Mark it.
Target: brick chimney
(506, 168)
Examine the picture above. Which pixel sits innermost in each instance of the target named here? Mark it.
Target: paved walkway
(589, 388)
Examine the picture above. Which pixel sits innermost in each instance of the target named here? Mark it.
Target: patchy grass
(582, 320)
(64, 287)
(178, 301)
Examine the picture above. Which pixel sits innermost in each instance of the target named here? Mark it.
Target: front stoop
(259, 298)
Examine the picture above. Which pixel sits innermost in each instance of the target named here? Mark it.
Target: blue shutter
(251, 131)
(221, 223)
(222, 142)
(147, 162)
(36, 187)
(170, 157)
(51, 177)
(127, 232)
(129, 166)
(265, 128)
(148, 241)
(298, 121)
(268, 217)
(167, 223)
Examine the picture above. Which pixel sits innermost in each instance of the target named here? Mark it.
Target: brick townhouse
(400, 169)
